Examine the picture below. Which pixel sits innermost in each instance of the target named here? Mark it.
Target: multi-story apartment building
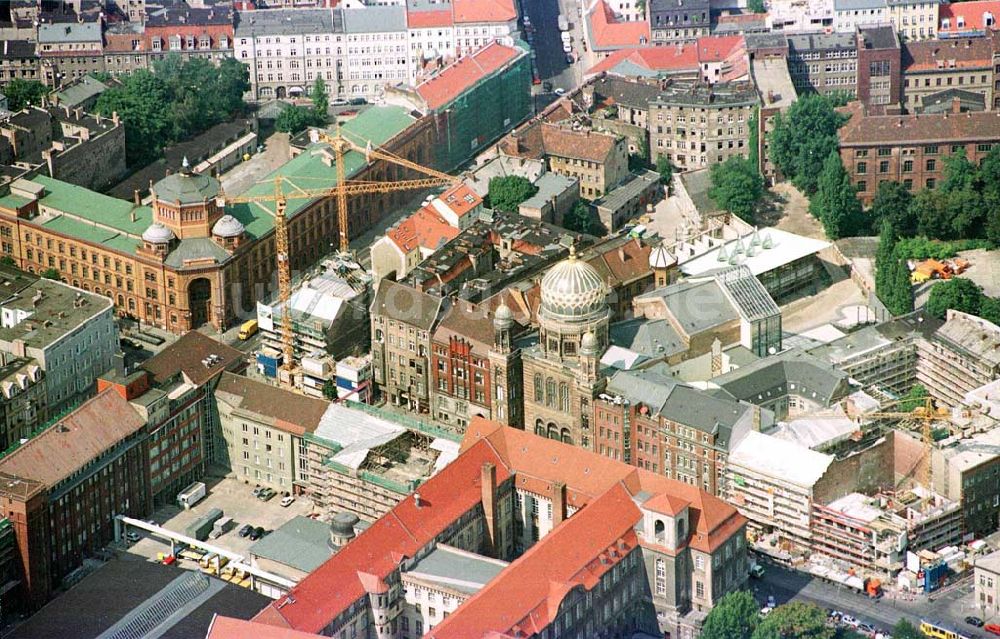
(69, 50)
(933, 66)
(263, 427)
(192, 258)
(202, 32)
(851, 14)
(672, 21)
(965, 471)
(647, 419)
(796, 16)
(914, 19)
(62, 489)
(879, 68)
(376, 49)
(824, 62)
(461, 370)
(987, 584)
(18, 60)
(664, 551)
(71, 334)
(598, 160)
(23, 398)
(277, 45)
(911, 149)
(694, 125)
(403, 319)
(960, 356)
(172, 391)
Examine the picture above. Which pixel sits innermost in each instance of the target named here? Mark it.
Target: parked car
(866, 629)
(287, 501)
(765, 611)
(257, 533)
(567, 47)
(560, 91)
(570, 59)
(337, 102)
(258, 490)
(771, 602)
(992, 628)
(357, 101)
(974, 621)
(266, 494)
(246, 530)
(132, 536)
(849, 621)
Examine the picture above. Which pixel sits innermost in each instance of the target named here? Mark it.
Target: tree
(803, 137)
(959, 173)
(795, 619)
(754, 153)
(884, 257)
(7, 260)
(20, 93)
(293, 119)
(892, 204)
(321, 101)
(957, 293)
(581, 219)
(142, 102)
(736, 187)
(330, 390)
(835, 202)
(928, 209)
(665, 170)
(906, 630)
(756, 6)
(506, 193)
(914, 398)
(735, 616)
(900, 300)
(50, 274)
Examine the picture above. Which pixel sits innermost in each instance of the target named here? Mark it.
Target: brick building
(933, 66)
(173, 392)
(63, 488)
(192, 258)
(676, 551)
(911, 149)
(879, 68)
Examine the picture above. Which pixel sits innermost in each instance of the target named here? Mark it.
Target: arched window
(539, 392)
(550, 392)
(681, 532)
(539, 428)
(553, 431)
(564, 397)
(565, 436)
(659, 531)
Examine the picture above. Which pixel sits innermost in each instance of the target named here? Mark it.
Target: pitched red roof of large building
(675, 58)
(229, 628)
(576, 553)
(943, 55)
(424, 229)
(968, 16)
(427, 19)
(471, 11)
(338, 583)
(943, 128)
(465, 72)
(718, 48)
(608, 33)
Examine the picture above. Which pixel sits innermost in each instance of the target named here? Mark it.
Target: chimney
(558, 503)
(488, 485)
(716, 357)
(136, 198)
(416, 500)
(114, 117)
(956, 105)
(755, 424)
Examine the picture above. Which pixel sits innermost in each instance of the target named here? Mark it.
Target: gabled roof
(649, 61)
(464, 73)
(406, 304)
(425, 229)
(187, 355)
(468, 321)
(286, 410)
(74, 441)
(541, 139)
(606, 33)
(229, 628)
(973, 16)
(479, 11)
(945, 55)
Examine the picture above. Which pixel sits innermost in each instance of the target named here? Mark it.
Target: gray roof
(69, 32)
(550, 185)
(652, 338)
(17, 49)
(881, 37)
(426, 5)
(821, 42)
(858, 5)
(187, 188)
(271, 22)
(375, 19)
(77, 93)
(195, 248)
(774, 376)
(627, 92)
(697, 305)
(457, 570)
(633, 186)
(941, 102)
(405, 304)
(301, 543)
(697, 93)
(697, 183)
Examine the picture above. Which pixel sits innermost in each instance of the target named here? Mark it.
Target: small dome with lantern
(227, 227)
(503, 317)
(158, 234)
(573, 290)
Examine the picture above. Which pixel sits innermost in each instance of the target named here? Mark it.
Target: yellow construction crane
(926, 413)
(340, 146)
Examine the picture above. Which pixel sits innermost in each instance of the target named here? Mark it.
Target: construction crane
(926, 413)
(340, 146)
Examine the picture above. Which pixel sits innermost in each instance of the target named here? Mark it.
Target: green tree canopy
(665, 170)
(884, 257)
(959, 173)
(582, 219)
(892, 204)
(143, 103)
(50, 274)
(20, 93)
(957, 293)
(835, 202)
(754, 153)
(913, 399)
(321, 101)
(906, 630)
(735, 616)
(796, 620)
(736, 187)
(900, 298)
(802, 139)
(294, 119)
(756, 6)
(506, 193)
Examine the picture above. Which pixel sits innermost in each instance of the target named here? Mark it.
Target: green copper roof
(187, 188)
(94, 207)
(91, 232)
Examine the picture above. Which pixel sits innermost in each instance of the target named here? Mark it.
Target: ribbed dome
(187, 188)
(573, 289)
(589, 344)
(660, 257)
(228, 226)
(157, 234)
(504, 317)
(343, 524)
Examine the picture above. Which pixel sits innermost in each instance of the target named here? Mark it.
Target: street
(947, 605)
(547, 45)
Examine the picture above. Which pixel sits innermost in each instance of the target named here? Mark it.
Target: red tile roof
(719, 48)
(578, 552)
(426, 19)
(462, 74)
(229, 628)
(607, 33)
(461, 199)
(424, 229)
(336, 585)
(475, 11)
(974, 15)
(948, 54)
(911, 130)
(679, 58)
